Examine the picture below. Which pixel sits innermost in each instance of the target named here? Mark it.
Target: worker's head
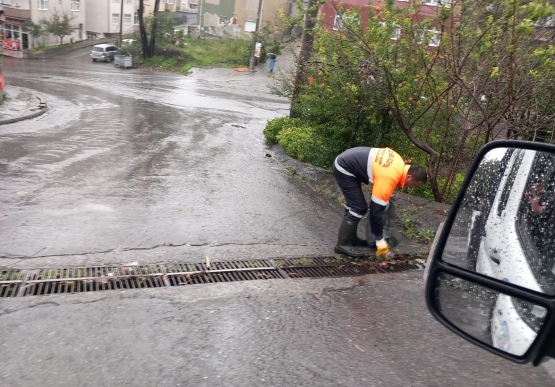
(416, 176)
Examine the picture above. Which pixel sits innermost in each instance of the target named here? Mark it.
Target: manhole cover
(21, 283)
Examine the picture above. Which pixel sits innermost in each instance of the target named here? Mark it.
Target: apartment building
(238, 18)
(14, 36)
(332, 18)
(104, 17)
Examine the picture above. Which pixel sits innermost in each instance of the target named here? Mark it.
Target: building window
(340, 19)
(6, 2)
(115, 1)
(396, 31)
(250, 26)
(127, 1)
(437, 3)
(43, 4)
(127, 19)
(12, 37)
(75, 5)
(136, 18)
(435, 37)
(169, 1)
(115, 18)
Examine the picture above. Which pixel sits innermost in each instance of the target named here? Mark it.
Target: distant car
(127, 42)
(103, 52)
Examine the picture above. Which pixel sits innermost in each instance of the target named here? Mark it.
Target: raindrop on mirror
(505, 226)
(496, 319)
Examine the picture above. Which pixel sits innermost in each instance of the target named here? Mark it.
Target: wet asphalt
(136, 159)
(128, 160)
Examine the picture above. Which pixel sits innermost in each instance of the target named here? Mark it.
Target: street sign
(257, 50)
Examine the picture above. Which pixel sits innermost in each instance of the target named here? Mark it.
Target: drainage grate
(21, 283)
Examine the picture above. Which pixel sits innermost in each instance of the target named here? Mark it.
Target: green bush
(274, 127)
(308, 142)
(305, 140)
(299, 142)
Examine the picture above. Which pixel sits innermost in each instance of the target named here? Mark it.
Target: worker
(385, 170)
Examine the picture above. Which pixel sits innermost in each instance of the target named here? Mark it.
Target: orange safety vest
(388, 171)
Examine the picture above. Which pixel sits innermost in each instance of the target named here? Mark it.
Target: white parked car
(514, 247)
(103, 52)
(127, 42)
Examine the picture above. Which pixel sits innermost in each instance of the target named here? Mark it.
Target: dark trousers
(351, 187)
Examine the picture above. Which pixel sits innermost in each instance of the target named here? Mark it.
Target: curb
(42, 109)
(49, 54)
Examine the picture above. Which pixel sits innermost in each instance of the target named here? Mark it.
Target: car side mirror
(491, 278)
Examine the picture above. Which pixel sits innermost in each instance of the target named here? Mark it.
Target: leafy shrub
(308, 142)
(274, 127)
(298, 141)
(173, 53)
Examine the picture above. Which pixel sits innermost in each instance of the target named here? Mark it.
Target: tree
(450, 82)
(152, 24)
(35, 30)
(307, 44)
(142, 30)
(59, 25)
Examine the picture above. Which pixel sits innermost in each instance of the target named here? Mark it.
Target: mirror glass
(505, 226)
(507, 323)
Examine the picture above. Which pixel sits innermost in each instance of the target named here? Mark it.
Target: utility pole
(307, 43)
(255, 36)
(121, 24)
(199, 16)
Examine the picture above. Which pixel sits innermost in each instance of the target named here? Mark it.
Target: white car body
(501, 255)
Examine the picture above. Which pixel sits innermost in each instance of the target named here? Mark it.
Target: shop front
(13, 34)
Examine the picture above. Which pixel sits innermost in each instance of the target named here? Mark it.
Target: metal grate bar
(21, 283)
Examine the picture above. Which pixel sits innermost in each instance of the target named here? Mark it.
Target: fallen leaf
(207, 262)
(360, 349)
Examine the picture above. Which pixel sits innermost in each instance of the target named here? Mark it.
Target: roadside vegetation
(435, 89)
(189, 53)
(176, 52)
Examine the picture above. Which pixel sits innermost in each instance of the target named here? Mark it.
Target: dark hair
(418, 173)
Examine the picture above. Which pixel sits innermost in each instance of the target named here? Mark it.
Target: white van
(513, 248)
(103, 52)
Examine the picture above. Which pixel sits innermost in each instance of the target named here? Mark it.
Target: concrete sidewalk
(21, 104)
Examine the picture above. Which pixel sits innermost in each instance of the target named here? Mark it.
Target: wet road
(129, 159)
(264, 333)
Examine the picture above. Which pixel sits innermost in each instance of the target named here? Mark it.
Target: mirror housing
(437, 270)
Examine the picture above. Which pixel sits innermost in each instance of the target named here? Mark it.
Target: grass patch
(290, 170)
(216, 52)
(408, 222)
(48, 48)
(201, 53)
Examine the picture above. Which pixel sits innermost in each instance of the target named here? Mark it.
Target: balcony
(16, 14)
(188, 10)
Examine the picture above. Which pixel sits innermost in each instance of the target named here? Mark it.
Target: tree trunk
(152, 45)
(61, 40)
(307, 43)
(142, 30)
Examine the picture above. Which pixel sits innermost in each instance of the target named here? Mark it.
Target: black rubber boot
(359, 241)
(347, 233)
